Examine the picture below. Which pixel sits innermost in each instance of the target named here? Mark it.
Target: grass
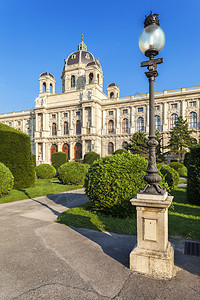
(42, 187)
(184, 220)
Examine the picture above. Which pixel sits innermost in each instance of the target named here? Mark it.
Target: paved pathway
(41, 259)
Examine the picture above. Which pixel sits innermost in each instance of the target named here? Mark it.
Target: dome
(112, 84)
(46, 74)
(81, 56)
(93, 63)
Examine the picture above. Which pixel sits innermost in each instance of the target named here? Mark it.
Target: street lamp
(151, 41)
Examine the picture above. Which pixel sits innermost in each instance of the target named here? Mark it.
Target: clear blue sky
(38, 35)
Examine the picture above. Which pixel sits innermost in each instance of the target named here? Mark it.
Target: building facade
(82, 118)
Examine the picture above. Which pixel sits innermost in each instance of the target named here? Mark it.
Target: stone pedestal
(153, 254)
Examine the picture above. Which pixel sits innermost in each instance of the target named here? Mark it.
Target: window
(110, 148)
(66, 128)
(78, 127)
(111, 95)
(193, 103)
(78, 151)
(140, 109)
(192, 120)
(73, 81)
(78, 113)
(54, 129)
(111, 126)
(157, 122)
(90, 78)
(173, 119)
(87, 56)
(110, 113)
(73, 56)
(19, 122)
(125, 111)
(65, 115)
(124, 145)
(53, 116)
(125, 128)
(66, 149)
(98, 78)
(157, 107)
(140, 124)
(51, 87)
(174, 105)
(44, 87)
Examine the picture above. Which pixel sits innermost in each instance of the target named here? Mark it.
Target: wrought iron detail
(151, 19)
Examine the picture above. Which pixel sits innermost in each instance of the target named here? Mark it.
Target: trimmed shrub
(15, 153)
(6, 180)
(45, 171)
(171, 176)
(186, 160)
(72, 173)
(90, 157)
(176, 165)
(182, 171)
(33, 156)
(58, 159)
(193, 181)
(120, 151)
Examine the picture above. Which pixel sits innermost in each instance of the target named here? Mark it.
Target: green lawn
(42, 187)
(184, 220)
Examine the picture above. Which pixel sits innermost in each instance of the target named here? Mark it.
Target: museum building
(82, 118)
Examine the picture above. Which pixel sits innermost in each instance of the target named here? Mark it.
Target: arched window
(44, 87)
(66, 128)
(91, 78)
(66, 149)
(140, 124)
(124, 144)
(54, 149)
(125, 128)
(73, 81)
(173, 119)
(51, 88)
(111, 127)
(78, 151)
(54, 129)
(78, 127)
(111, 95)
(157, 122)
(110, 148)
(98, 78)
(192, 120)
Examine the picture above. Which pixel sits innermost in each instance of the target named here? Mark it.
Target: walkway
(41, 259)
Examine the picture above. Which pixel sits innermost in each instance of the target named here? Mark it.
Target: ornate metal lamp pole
(151, 41)
(153, 254)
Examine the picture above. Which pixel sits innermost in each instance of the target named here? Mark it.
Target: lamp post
(153, 254)
(151, 41)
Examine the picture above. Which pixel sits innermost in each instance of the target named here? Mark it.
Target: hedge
(90, 157)
(72, 173)
(193, 181)
(6, 180)
(15, 153)
(45, 171)
(33, 156)
(58, 159)
(113, 180)
(186, 160)
(171, 176)
(176, 165)
(119, 151)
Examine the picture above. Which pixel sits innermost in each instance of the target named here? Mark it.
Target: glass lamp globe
(152, 40)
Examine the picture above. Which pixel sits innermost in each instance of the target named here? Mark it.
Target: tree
(138, 144)
(180, 139)
(159, 153)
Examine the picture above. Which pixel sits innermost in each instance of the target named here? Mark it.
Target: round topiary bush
(113, 180)
(90, 157)
(176, 165)
(120, 151)
(45, 171)
(6, 180)
(171, 176)
(182, 171)
(72, 173)
(58, 159)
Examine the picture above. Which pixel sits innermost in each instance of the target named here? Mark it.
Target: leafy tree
(180, 139)
(138, 144)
